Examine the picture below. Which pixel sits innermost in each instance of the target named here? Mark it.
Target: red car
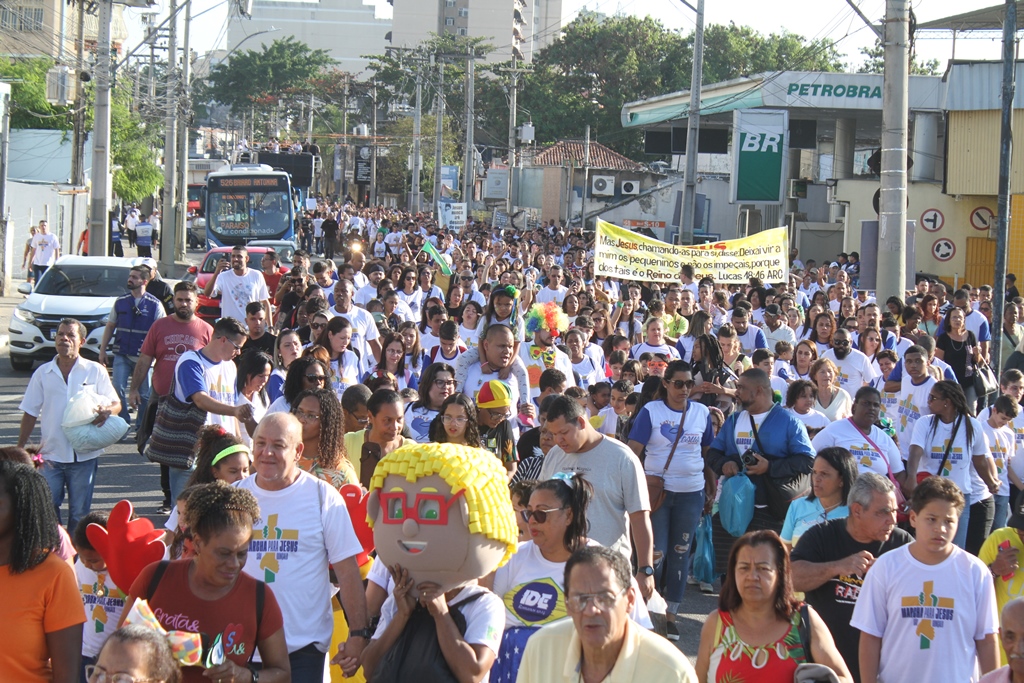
(209, 307)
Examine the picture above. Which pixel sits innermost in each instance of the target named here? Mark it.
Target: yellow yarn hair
(464, 468)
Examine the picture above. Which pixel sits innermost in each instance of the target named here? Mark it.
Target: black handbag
(175, 432)
(985, 381)
(781, 491)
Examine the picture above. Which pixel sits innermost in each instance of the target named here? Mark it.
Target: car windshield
(84, 280)
(210, 264)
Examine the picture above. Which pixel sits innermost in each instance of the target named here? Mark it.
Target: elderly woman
(755, 632)
(831, 399)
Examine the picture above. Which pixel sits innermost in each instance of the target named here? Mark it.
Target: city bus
(248, 202)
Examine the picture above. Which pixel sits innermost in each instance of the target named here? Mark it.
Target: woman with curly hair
(42, 607)
(323, 437)
(139, 652)
(307, 372)
(214, 593)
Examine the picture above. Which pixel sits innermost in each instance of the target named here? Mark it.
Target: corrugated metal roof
(972, 86)
(565, 151)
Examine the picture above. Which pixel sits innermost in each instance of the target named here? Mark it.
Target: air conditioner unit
(797, 189)
(630, 187)
(602, 185)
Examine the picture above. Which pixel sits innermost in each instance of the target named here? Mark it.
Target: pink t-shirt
(166, 340)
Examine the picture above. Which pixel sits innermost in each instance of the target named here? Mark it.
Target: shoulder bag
(175, 432)
(902, 507)
(780, 491)
(921, 476)
(656, 482)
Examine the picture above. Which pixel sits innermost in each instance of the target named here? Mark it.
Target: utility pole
(78, 123)
(167, 256)
(184, 106)
(99, 217)
(892, 218)
(514, 73)
(1005, 156)
(693, 131)
(417, 161)
(439, 134)
(373, 147)
(5, 236)
(469, 174)
(309, 130)
(586, 178)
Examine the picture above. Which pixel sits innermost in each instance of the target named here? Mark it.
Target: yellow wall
(973, 153)
(956, 226)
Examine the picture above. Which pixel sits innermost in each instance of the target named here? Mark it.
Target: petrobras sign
(760, 153)
(825, 90)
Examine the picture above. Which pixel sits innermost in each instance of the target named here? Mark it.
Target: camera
(749, 457)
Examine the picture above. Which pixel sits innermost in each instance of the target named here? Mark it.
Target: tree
(874, 62)
(393, 173)
(132, 142)
(29, 108)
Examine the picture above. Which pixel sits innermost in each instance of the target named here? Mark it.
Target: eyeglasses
(317, 326)
(465, 277)
(427, 508)
(444, 383)
(540, 515)
(499, 414)
(238, 347)
(457, 421)
(681, 383)
(602, 601)
(319, 379)
(304, 415)
(94, 674)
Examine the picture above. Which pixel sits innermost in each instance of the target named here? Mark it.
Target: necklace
(952, 343)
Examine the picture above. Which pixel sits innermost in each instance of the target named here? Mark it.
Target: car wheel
(21, 364)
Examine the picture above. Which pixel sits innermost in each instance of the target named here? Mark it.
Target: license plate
(53, 334)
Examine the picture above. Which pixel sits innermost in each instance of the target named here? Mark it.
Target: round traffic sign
(943, 249)
(932, 220)
(982, 218)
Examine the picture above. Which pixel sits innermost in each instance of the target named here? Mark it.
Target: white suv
(80, 287)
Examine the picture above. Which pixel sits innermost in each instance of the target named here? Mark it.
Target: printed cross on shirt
(926, 617)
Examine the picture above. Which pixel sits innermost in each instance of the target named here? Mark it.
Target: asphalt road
(124, 474)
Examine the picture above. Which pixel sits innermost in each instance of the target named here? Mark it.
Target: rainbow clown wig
(549, 316)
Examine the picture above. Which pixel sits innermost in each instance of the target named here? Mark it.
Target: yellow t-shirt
(354, 449)
(1012, 585)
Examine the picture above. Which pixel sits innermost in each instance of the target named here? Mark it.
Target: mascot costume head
(443, 512)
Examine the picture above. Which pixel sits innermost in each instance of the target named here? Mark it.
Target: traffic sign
(932, 220)
(982, 218)
(943, 249)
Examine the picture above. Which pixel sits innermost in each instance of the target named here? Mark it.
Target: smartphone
(369, 456)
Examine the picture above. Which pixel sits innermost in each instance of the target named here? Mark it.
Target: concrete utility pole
(168, 217)
(183, 103)
(439, 133)
(5, 232)
(892, 217)
(514, 73)
(309, 129)
(586, 179)
(99, 216)
(469, 173)
(417, 161)
(78, 151)
(373, 147)
(692, 131)
(1005, 156)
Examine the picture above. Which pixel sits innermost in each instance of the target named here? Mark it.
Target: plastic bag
(81, 409)
(736, 506)
(704, 553)
(83, 435)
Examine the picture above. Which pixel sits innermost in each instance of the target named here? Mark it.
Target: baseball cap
(772, 309)
(374, 268)
(494, 394)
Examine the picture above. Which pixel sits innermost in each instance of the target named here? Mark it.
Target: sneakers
(672, 631)
(706, 587)
(691, 580)
(164, 509)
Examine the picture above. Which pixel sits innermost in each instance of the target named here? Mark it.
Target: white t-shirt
(195, 372)
(606, 421)
(845, 434)
(933, 443)
(744, 434)
(302, 529)
(854, 371)
(928, 616)
(912, 406)
(814, 419)
(619, 488)
(364, 329)
(656, 426)
(103, 603)
(639, 349)
(588, 371)
(418, 421)
(546, 294)
(485, 616)
(476, 379)
(346, 370)
(1002, 444)
(365, 295)
(238, 291)
(46, 247)
(536, 366)
(469, 337)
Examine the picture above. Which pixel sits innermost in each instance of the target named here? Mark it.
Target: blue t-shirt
(897, 373)
(803, 514)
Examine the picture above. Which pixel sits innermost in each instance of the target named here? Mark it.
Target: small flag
(438, 259)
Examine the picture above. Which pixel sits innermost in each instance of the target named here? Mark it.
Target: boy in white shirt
(927, 611)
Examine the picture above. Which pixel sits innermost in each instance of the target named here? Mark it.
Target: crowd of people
(882, 462)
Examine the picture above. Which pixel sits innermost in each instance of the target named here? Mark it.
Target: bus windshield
(238, 213)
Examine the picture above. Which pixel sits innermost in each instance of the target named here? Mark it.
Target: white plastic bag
(78, 425)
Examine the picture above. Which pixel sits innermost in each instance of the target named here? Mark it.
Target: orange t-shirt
(42, 600)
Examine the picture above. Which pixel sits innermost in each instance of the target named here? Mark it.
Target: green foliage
(29, 108)
(874, 62)
(132, 142)
(393, 173)
(734, 51)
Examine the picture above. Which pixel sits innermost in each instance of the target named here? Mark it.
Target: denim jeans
(960, 540)
(177, 478)
(37, 272)
(123, 369)
(1002, 512)
(79, 479)
(308, 665)
(674, 525)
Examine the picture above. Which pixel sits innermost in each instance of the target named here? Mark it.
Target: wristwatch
(361, 633)
(646, 571)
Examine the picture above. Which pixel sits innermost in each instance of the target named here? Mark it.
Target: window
(463, 11)
(449, 3)
(449, 21)
(21, 18)
(463, 31)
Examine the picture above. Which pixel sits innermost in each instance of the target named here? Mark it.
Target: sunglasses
(319, 379)
(681, 383)
(317, 326)
(540, 515)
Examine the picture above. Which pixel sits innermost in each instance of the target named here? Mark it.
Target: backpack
(416, 655)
